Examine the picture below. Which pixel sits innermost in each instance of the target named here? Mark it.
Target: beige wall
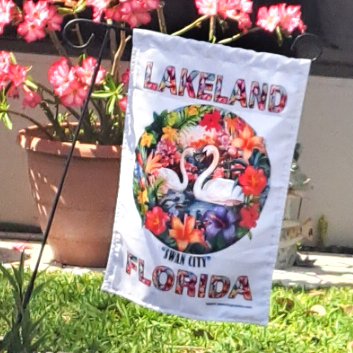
(326, 135)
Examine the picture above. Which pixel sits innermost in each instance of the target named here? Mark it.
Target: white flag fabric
(209, 138)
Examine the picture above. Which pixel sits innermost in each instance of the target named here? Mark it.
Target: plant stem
(161, 18)
(112, 40)
(58, 46)
(118, 55)
(212, 28)
(79, 36)
(191, 26)
(61, 133)
(237, 36)
(24, 116)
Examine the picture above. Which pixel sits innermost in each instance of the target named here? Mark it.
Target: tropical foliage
(173, 155)
(70, 78)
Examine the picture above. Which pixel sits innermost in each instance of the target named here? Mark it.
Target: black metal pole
(30, 287)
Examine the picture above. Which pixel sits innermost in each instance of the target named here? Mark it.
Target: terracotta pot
(82, 226)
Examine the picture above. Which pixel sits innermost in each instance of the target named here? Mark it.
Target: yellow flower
(172, 118)
(146, 139)
(193, 110)
(170, 134)
(142, 197)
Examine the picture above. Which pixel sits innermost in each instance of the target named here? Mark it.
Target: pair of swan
(218, 191)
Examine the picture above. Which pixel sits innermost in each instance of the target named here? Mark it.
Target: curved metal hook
(77, 21)
(313, 38)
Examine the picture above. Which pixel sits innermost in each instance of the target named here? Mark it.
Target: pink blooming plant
(287, 18)
(70, 79)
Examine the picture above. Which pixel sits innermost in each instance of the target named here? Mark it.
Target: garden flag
(209, 138)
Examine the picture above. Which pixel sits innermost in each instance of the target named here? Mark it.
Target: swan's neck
(183, 170)
(201, 179)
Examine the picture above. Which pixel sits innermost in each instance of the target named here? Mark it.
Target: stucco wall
(325, 133)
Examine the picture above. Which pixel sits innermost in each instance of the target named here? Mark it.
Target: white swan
(218, 191)
(171, 178)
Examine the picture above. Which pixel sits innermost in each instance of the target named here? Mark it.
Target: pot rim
(29, 140)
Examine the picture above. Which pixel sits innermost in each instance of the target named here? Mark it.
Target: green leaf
(18, 279)
(80, 7)
(6, 120)
(34, 347)
(37, 289)
(9, 277)
(111, 105)
(110, 83)
(241, 232)
(30, 83)
(13, 58)
(65, 11)
(3, 316)
(102, 94)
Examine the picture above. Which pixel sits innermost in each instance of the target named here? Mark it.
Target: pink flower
(218, 173)
(206, 7)
(234, 8)
(54, 19)
(85, 72)
(58, 75)
(71, 84)
(17, 74)
(30, 31)
(133, 13)
(168, 152)
(268, 19)
(237, 10)
(114, 13)
(244, 21)
(143, 5)
(13, 92)
(36, 12)
(123, 104)
(99, 7)
(21, 247)
(191, 171)
(291, 18)
(6, 7)
(74, 94)
(31, 99)
(4, 68)
(223, 140)
(36, 17)
(125, 77)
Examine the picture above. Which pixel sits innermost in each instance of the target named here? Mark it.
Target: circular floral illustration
(201, 178)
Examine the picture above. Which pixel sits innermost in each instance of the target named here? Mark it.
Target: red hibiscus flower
(253, 181)
(156, 220)
(212, 121)
(249, 216)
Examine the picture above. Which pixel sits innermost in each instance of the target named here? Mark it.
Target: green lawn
(81, 318)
